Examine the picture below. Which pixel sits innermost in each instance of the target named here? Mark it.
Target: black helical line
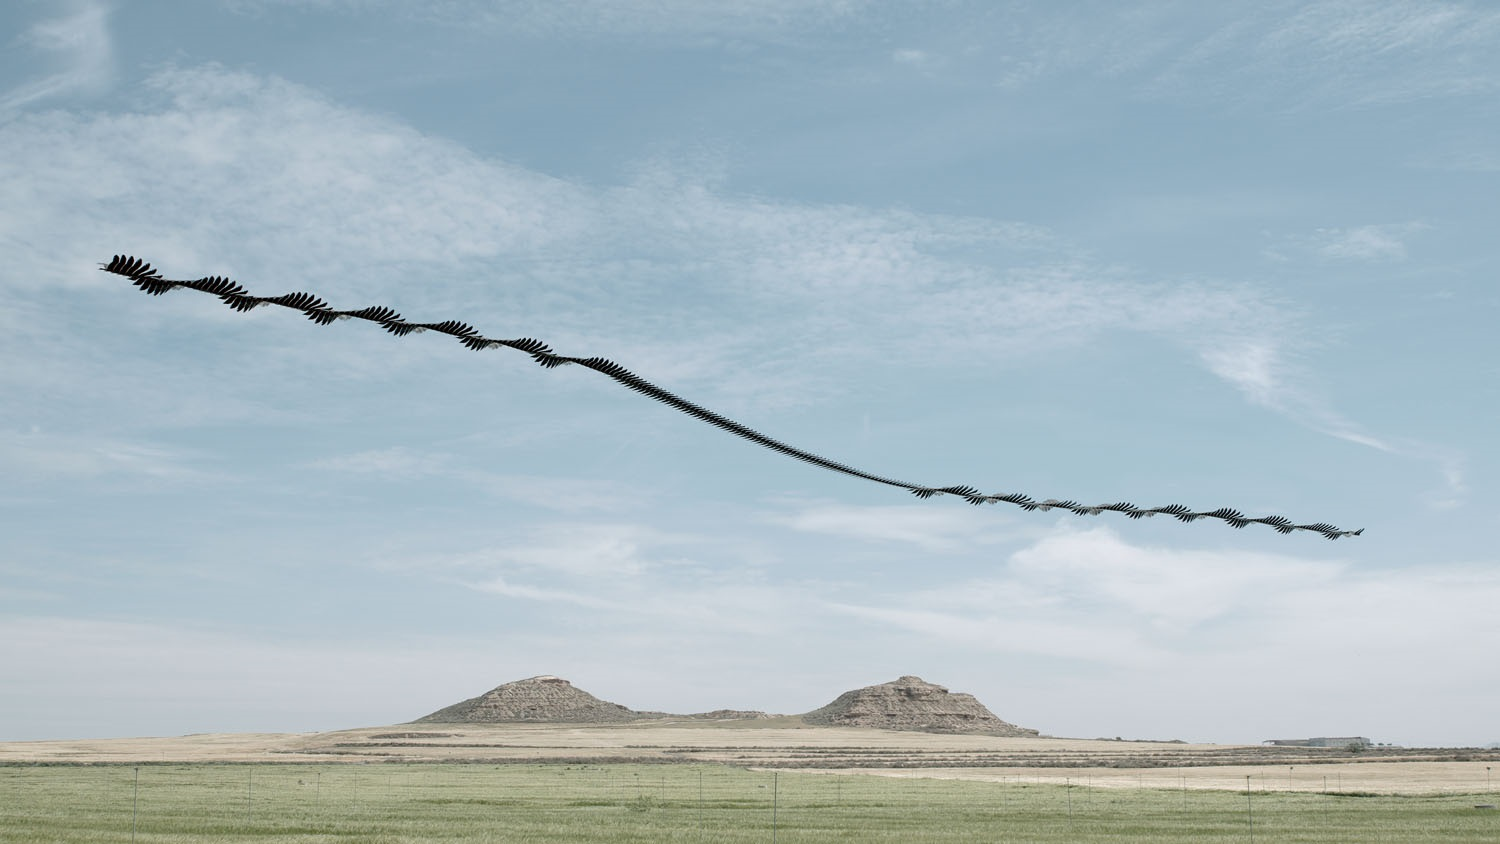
(150, 281)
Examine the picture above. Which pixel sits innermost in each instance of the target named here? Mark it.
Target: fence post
(1249, 813)
(775, 794)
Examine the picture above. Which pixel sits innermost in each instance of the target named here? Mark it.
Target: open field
(769, 780)
(402, 802)
(789, 745)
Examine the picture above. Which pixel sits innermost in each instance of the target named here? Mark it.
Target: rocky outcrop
(911, 703)
(538, 699)
(730, 715)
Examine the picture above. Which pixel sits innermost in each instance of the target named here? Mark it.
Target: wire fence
(688, 803)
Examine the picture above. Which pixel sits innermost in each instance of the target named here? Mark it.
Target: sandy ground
(783, 743)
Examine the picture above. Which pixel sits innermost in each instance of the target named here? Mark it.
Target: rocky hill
(549, 699)
(544, 699)
(911, 703)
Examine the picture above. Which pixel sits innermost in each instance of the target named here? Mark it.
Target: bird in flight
(232, 294)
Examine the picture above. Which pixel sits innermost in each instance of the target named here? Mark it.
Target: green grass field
(672, 803)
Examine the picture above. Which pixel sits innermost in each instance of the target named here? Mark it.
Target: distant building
(1322, 741)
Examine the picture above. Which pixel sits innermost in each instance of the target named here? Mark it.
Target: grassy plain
(787, 744)
(621, 802)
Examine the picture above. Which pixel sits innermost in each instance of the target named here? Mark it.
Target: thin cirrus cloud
(605, 551)
(605, 18)
(506, 589)
(926, 528)
(662, 610)
(823, 283)
(1259, 370)
(550, 492)
(1349, 38)
(375, 198)
(43, 454)
(828, 280)
(1370, 243)
(1360, 53)
(78, 49)
(1339, 53)
(1344, 53)
(1367, 243)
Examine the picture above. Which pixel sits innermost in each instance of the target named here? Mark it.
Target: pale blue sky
(1230, 254)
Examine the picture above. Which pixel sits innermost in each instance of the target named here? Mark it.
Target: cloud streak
(820, 284)
(926, 528)
(78, 44)
(1091, 596)
(1258, 369)
(547, 491)
(827, 282)
(604, 18)
(1368, 243)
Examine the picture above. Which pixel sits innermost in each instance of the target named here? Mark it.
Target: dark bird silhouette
(150, 281)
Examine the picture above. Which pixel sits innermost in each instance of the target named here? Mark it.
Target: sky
(1229, 254)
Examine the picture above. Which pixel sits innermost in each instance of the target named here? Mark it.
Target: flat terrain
(787, 744)
(623, 803)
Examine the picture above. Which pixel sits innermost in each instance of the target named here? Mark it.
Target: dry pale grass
(1412, 778)
(786, 743)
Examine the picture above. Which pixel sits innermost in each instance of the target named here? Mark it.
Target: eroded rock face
(909, 703)
(730, 715)
(912, 703)
(538, 699)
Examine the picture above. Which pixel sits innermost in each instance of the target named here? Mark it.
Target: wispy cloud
(1092, 596)
(226, 157)
(550, 491)
(1259, 368)
(1034, 636)
(552, 522)
(1366, 243)
(572, 550)
(1280, 56)
(1103, 586)
(612, 18)
(925, 62)
(386, 462)
(1475, 156)
(503, 587)
(1413, 49)
(1275, 55)
(77, 45)
(689, 605)
(1251, 366)
(54, 455)
(924, 527)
